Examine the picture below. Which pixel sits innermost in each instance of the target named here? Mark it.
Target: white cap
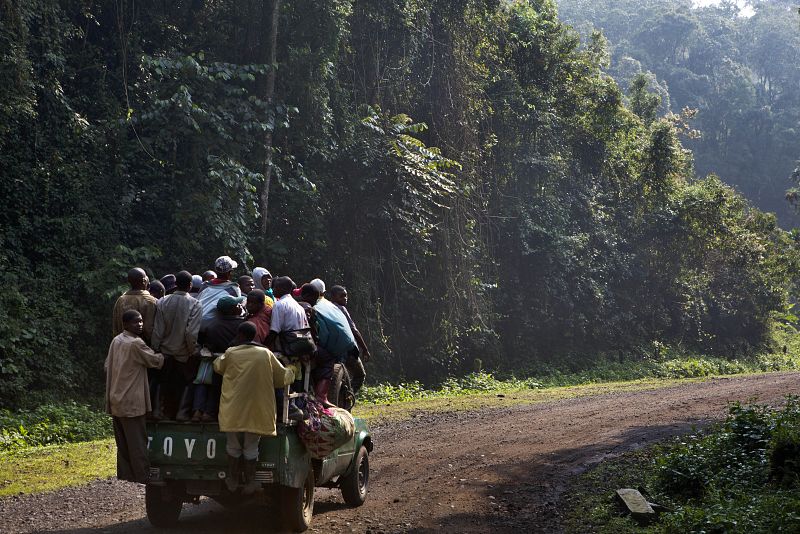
(318, 284)
(225, 264)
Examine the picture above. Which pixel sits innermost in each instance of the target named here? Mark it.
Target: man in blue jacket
(335, 339)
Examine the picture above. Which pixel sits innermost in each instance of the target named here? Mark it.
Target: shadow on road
(526, 498)
(210, 516)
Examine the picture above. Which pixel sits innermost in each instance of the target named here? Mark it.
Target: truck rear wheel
(163, 508)
(341, 393)
(354, 486)
(297, 504)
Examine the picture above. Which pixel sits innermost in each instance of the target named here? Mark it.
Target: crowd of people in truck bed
(205, 348)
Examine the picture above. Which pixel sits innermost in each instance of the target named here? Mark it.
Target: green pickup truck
(188, 460)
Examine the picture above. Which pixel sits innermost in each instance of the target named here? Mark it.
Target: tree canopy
(740, 71)
(467, 169)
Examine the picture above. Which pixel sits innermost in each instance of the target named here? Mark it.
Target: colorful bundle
(325, 429)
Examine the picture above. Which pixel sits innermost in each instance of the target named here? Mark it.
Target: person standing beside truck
(128, 396)
(247, 410)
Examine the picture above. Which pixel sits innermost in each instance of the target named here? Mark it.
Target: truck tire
(354, 486)
(341, 393)
(163, 508)
(297, 504)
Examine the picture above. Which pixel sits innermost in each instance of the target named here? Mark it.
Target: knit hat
(229, 302)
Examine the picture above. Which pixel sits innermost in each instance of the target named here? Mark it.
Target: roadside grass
(503, 396)
(52, 424)
(656, 363)
(38, 469)
(741, 475)
(482, 389)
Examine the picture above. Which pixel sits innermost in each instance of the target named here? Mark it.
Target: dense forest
(468, 169)
(738, 66)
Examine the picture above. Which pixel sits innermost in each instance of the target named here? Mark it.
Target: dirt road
(500, 470)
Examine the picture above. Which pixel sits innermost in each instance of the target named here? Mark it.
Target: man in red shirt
(259, 314)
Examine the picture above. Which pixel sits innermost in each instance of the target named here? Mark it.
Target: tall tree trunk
(269, 97)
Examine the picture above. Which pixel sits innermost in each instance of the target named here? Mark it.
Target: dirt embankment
(500, 470)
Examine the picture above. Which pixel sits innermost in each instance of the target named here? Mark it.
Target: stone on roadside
(637, 505)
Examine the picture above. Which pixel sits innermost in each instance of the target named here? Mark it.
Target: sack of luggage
(325, 429)
(297, 342)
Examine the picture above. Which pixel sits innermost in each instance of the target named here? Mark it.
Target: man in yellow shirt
(250, 374)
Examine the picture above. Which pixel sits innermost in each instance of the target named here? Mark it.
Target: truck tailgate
(186, 444)
(196, 451)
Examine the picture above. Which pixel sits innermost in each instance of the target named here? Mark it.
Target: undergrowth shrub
(735, 453)
(478, 381)
(382, 393)
(784, 455)
(734, 479)
(698, 367)
(50, 424)
(784, 445)
(673, 363)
